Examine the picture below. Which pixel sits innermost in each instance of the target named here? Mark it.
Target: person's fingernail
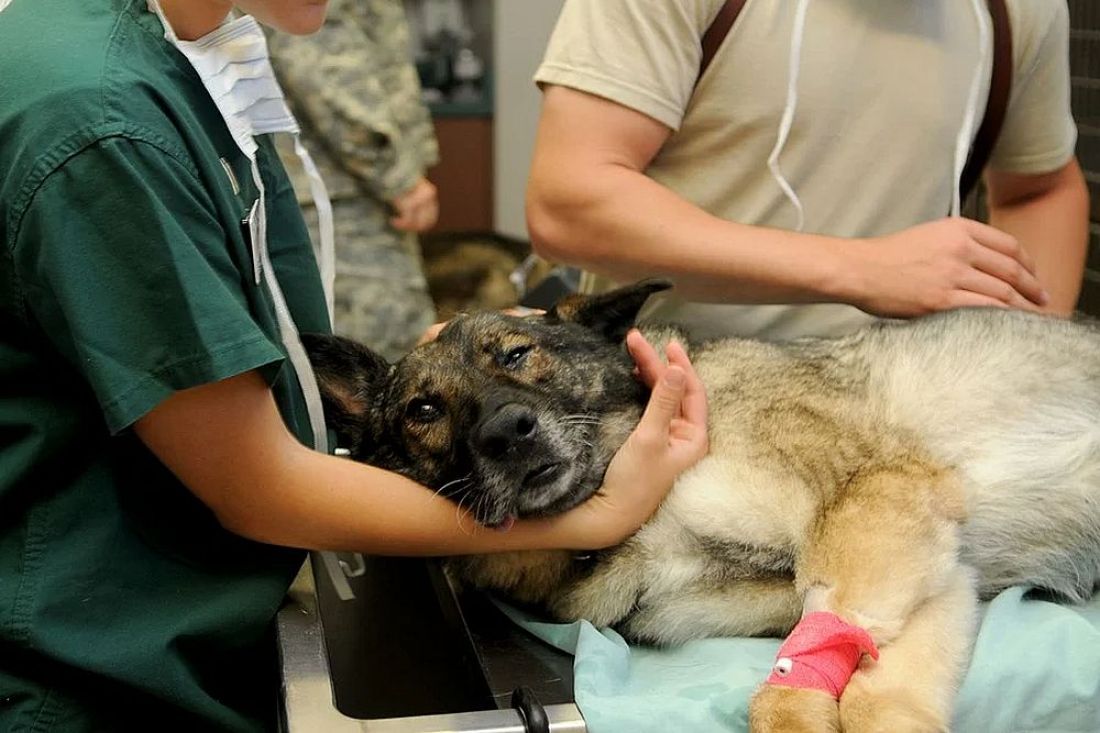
(1044, 298)
(674, 378)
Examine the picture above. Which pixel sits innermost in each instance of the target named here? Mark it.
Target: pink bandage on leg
(821, 653)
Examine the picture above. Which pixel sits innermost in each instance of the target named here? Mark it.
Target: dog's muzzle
(510, 439)
(510, 429)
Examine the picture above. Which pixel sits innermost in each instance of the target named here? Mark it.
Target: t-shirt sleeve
(126, 269)
(642, 54)
(1039, 134)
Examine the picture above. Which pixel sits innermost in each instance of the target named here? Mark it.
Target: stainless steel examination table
(409, 654)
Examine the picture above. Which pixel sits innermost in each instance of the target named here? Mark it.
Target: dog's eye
(514, 358)
(423, 410)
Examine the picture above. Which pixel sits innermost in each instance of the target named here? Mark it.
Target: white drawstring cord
(787, 121)
(966, 133)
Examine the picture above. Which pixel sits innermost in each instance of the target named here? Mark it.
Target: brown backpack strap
(1000, 88)
(719, 29)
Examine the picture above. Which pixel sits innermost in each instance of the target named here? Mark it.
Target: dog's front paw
(868, 708)
(776, 709)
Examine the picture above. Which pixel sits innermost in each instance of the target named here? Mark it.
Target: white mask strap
(287, 330)
(169, 31)
(325, 250)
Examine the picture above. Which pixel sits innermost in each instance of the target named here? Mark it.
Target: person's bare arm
(589, 203)
(227, 443)
(1048, 213)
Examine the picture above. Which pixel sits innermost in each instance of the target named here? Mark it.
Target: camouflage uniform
(355, 92)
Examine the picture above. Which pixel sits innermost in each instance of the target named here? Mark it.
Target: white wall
(521, 29)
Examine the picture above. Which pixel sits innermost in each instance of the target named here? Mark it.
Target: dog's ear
(612, 313)
(350, 376)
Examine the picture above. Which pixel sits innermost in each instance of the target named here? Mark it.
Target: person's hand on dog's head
(433, 330)
(431, 333)
(669, 439)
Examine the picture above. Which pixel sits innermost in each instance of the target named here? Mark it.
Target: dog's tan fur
(891, 477)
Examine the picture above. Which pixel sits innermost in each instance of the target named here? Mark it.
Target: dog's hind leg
(883, 557)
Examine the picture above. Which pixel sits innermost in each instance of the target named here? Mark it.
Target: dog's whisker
(456, 491)
(458, 516)
(452, 492)
(581, 420)
(478, 506)
(442, 488)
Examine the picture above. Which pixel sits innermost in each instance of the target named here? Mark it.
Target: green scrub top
(125, 275)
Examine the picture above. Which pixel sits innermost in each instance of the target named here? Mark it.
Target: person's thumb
(664, 402)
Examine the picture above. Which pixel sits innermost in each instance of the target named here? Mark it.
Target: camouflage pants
(381, 295)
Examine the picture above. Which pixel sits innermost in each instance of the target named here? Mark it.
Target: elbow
(1078, 187)
(269, 506)
(259, 516)
(247, 523)
(548, 232)
(1009, 191)
(557, 217)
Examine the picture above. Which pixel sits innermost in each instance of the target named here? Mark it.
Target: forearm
(616, 221)
(320, 502)
(263, 484)
(589, 203)
(227, 443)
(1052, 225)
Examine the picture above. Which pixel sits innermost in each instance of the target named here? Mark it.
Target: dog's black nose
(510, 426)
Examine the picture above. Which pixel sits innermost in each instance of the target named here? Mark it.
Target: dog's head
(508, 416)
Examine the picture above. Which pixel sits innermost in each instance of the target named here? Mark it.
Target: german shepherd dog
(892, 477)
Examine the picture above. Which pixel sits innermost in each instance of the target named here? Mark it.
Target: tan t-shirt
(881, 97)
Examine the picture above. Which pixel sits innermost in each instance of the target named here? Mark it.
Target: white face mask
(233, 64)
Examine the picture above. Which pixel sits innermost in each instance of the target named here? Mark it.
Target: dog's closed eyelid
(513, 358)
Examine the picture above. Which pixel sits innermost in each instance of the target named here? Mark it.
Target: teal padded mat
(1036, 667)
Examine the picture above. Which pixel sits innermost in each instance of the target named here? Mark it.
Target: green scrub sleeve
(126, 266)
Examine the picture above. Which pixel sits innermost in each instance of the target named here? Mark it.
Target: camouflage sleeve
(353, 85)
(386, 24)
